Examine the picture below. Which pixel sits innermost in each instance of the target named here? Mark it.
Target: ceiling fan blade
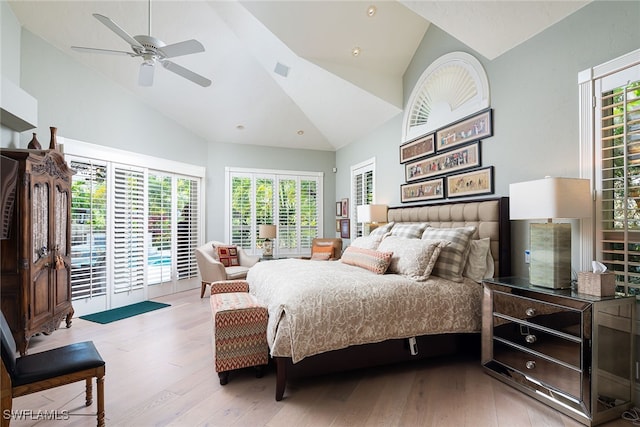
(187, 74)
(183, 48)
(96, 50)
(145, 76)
(116, 29)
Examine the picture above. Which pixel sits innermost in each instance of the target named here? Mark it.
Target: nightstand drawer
(560, 318)
(564, 349)
(552, 374)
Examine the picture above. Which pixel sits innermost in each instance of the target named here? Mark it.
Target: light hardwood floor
(160, 372)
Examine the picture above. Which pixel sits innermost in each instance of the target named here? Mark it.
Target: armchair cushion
(324, 245)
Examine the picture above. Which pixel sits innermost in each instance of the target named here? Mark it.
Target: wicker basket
(598, 284)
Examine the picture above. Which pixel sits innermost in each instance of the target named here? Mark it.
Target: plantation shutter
(241, 224)
(361, 191)
(264, 204)
(287, 214)
(159, 228)
(88, 229)
(618, 119)
(128, 229)
(309, 215)
(188, 226)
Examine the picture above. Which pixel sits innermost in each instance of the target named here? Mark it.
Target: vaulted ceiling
(283, 72)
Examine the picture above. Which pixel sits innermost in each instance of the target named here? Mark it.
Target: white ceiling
(331, 96)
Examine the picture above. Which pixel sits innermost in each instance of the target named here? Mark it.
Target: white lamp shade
(550, 198)
(267, 232)
(371, 213)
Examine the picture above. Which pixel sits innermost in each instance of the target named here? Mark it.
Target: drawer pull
(530, 364)
(530, 311)
(530, 338)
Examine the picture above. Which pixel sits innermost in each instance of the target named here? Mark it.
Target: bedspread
(319, 306)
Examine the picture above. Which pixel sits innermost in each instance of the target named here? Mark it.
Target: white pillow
(368, 242)
(476, 266)
(413, 258)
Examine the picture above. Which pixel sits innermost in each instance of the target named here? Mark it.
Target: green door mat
(120, 313)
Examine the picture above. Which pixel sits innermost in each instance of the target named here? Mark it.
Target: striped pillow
(409, 231)
(452, 259)
(381, 230)
(375, 261)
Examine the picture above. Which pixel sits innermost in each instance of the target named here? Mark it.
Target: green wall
(534, 94)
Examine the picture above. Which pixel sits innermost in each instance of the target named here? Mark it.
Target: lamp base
(267, 248)
(550, 265)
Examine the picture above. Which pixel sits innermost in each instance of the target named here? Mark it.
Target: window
(132, 225)
(361, 191)
(614, 92)
(290, 200)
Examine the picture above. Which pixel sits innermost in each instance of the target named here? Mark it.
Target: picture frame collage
(343, 226)
(447, 163)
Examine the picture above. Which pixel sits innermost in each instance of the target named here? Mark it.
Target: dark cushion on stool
(53, 363)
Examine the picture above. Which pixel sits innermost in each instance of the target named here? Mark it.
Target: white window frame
(590, 146)
(79, 150)
(368, 165)
(277, 175)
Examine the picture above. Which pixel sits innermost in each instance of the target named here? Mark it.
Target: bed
(328, 316)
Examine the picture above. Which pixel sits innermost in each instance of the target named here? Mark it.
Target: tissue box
(598, 284)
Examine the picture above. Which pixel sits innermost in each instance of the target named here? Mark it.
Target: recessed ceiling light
(371, 11)
(300, 132)
(240, 127)
(355, 51)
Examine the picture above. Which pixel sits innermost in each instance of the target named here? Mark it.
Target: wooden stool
(239, 332)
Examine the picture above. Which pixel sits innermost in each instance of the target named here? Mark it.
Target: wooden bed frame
(492, 218)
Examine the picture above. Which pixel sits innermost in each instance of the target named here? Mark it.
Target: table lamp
(267, 232)
(371, 216)
(550, 243)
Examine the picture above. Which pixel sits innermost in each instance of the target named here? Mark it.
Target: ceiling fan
(152, 51)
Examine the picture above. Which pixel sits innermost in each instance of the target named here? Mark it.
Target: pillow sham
(228, 255)
(409, 231)
(451, 261)
(368, 242)
(476, 266)
(382, 229)
(413, 258)
(321, 256)
(374, 261)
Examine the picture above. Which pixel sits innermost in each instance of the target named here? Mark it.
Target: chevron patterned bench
(239, 329)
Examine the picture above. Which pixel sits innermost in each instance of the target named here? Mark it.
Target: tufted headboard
(490, 216)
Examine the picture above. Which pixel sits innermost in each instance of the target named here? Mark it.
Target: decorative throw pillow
(382, 229)
(414, 258)
(228, 255)
(369, 242)
(452, 258)
(322, 252)
(321, 256)
(476, 265)
(374, 261)
(409, 231)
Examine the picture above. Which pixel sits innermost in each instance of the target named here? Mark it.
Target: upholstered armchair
(212, 269)
(329, 248)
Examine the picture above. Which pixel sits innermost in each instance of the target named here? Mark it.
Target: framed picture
(338, 208)
(472, 183)
(338, 225)
(345, 208)
(423, 190)
(461, 158)
(417, 148)
(344, 228)
(467, 130)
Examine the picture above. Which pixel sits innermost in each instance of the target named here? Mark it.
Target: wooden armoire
(35, 281)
